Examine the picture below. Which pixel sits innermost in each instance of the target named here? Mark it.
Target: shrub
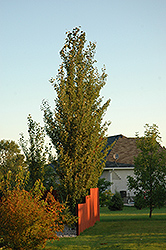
(29, 222)
(104, 194)
(105, 197)
(139, 201)
(116, 202)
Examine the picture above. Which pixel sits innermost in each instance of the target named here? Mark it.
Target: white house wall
(119, 179)
(106, 175)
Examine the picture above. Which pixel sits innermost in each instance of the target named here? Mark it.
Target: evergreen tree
(150, 170)
(76, 125)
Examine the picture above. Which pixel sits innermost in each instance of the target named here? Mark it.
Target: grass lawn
(127, 229)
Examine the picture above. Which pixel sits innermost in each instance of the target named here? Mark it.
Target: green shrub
(104, 194)
(139, 201)
(116, 202)
(105, 197)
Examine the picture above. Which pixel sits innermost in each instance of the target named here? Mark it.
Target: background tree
(50, 175)
(76, 125)
(150, 169)
(10, 160)
(34, 150)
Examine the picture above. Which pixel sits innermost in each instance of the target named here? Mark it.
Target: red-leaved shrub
(28, 222)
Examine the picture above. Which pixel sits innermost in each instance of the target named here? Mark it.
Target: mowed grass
(127, 229)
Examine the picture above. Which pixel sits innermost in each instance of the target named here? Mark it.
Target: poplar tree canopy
(76, 125)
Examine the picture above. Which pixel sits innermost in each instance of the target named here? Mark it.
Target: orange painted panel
(88, 212)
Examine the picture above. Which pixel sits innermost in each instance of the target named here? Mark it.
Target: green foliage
(104, 194)
(116, 202)
(139, 201)
(11, 182)
(76, 125)
(105, 197)
(10, 161)
(35, 151)
(150, 169)
(50, 176)
(103, 184)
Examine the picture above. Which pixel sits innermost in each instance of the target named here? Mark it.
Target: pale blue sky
(131, 42)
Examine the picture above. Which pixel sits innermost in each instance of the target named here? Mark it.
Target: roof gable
(126, 149)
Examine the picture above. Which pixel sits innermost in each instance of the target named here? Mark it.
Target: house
(120, 163)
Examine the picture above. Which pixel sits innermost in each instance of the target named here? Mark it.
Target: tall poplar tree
(76, 125)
